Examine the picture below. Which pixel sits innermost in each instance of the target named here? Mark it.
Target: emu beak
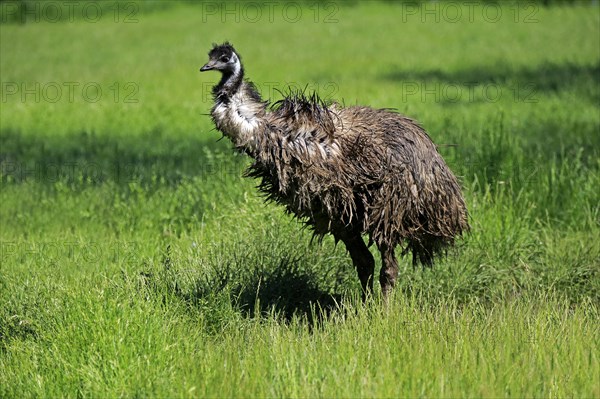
(208, 66)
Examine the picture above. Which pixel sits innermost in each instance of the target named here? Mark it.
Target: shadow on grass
(525, 83)
(287, 288)
(95, 159)
(288, 291)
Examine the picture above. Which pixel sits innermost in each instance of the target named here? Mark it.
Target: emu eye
(225, 58)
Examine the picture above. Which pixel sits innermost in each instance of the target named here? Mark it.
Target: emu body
(347, 171)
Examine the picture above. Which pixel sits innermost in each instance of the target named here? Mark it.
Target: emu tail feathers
(426, 249)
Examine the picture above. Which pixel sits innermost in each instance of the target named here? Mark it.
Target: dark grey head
(223, 58)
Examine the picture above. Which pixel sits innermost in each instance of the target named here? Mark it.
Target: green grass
(136, 261)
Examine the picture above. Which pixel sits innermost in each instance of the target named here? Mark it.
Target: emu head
(223, 58)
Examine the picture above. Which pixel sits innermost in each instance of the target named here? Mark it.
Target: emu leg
(363, 261)
(389, 270)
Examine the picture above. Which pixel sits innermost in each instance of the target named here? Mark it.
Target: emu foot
(389, 271)
(386, 291)
(387, 279)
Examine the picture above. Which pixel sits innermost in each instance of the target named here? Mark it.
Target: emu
(346, 171)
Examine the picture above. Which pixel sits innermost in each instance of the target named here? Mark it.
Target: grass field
(136, 261)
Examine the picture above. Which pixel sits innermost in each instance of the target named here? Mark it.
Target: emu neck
(229, 84)
(238, 111)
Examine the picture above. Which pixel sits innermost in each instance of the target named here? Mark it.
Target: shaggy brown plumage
(349, 171)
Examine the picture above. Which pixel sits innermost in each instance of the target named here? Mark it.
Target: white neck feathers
(240, 117)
